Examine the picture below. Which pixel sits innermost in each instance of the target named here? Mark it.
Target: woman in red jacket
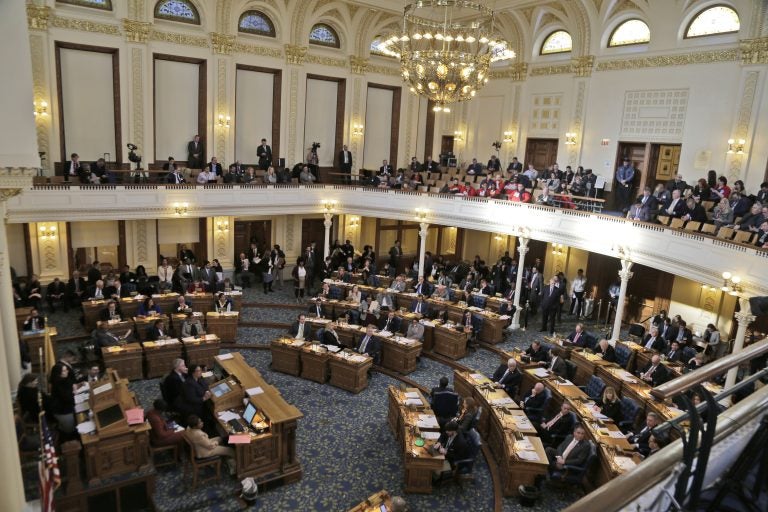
(162, 433)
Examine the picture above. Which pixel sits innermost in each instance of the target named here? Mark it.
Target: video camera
(315, 145)
(132, 156)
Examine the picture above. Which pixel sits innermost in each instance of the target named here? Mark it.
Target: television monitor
(250, 412)
(109, 416)
(220, 389)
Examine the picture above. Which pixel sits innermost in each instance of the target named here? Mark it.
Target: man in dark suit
(73, 170)
(444, 401)
(557, 427)
(370, 345)
(395, 253)
(207, 277)
(385, 169)
(76, 289)
(537, 352)
(429, 165)
(667, 330)
(56, 292)
(676, 206)
(573, 451)
(515, 166)
(265, 155)
(640, 440)
(645, 207)
(675, 354)
(683, 334)
(330, 336)
(605, 350)
(420, 307)
(111, 312)
(508, 377)
(157, 331)
(533, 403)
(345, 162)
(550, 303)
(126, 276)
(390, 323)
(315, 309)
(173, 385)
(475, 167)
(678, 183)
(215, 167)
(117, 291)
(453, 444)
(174, 177)
(94, 273)
(655, 373)
(195, 154)
(170, 165)
(97, 291)
(578, 338)
(422, 286)
(485, 288)
(557, 363)
(654, 341)
(301, 328)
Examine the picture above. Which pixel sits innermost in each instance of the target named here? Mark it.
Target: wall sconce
(222, 226)
(41, 109)
(329, 205)
(605, 142)
(357, 130)
(181, 208)
(497, 238)
(731, 284)
(706, 287)
(421, 214)
(736, 146)
(354, 222)
(224, 121)
(557, 249)
(458, 136)
(47, 232)
(508, 137)
(570, 139)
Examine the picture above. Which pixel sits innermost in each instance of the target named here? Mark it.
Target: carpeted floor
(344, 444)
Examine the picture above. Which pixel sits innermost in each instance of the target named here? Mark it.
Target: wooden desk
(269, 456)
(159, 356)
(142, 324)
(129, 306)
(119, 328)
(126, 360)
(201, 350)
(586, 365)
(21, 316)
(399, 353)
(314, 363)
(349, 371)
(202, 302)
(286, 357)
(91, 312)
(237, 299)
(419, 463)
(449, 342)
(224, 325)
(374, 503)
(35, 340)
(493, 326)
(166, 301)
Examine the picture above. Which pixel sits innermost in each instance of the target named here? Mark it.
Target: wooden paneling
(258, 230)
(540, 152)
(313, 230)
(429, 134)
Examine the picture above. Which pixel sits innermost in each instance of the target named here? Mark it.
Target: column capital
(582, 66)
(295, 54)
(38, 16)
(222, 44)
(136, 31)
(522, 244)
(423, 229)
(753, 51)
(744, 315)
(625, 275)
(358, 65)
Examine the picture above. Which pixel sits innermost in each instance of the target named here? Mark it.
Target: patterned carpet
(344, 444)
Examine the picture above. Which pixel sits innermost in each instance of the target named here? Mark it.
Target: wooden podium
(126, 360)
(142, 324)
(449, 342)
(224, 325)
(201, 301)
(129, 306)
(166, 301)
(35, 341)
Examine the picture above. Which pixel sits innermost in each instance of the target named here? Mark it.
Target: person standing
(550, 302)
(578, 288)
(265, 155)
(625, 176)
(345, 163)
(195, 153)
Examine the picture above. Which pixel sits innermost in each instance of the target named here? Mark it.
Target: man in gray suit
(415, 330)
(573, 451)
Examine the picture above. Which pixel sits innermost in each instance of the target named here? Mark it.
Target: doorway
(663, 164)
(313, 230)
(252, 231)
(541, 153)
(446, 150)
(638, 154)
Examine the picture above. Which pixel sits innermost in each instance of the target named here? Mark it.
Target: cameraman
(312, 159)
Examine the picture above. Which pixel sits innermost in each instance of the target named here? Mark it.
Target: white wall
(17, 257)
(176, 108)
(320, 119)
(178, 231)
(253, 113)
(95, 234)
(88, 103)
(378, 127)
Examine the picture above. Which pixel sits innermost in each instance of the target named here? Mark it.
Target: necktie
(551, 290)
(554, 420)
(576, 338)
(552, 366)
(650, 342)
(98, 293)
(418, 307)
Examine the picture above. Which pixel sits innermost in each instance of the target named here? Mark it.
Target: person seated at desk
(195, 286)
(695, 362)
(173, 384)
(117, 291)
(420, 307)
(656, 443)
(441, 292)
(344, 276)
(389, 323)
(508, 377)
(104, 338)
(654, 341)
(578, 338)
(182, 305)
(194, 392)
(301, 330)
(683, 334)
(385, 300)
(557, 427)
(94, 373)
(369, 345)
(641, 439)
(315, 308)
(453, 444)
(606, 351)
(609, 405)
(192, 327)
(675, 355)
(157, 331)
(208, 446)
(369, 311)
(111, 312)
(415, 330)
(387, 270)
(26, 396)
(399, 284)
(97, 292)
(76, 289)
(468, 416)
(56, 292)
(573, 451)
(34, 321)
(222, 304)
(330, 336)
(422, 287)
(533, 402)
(355, 295)
(557, 363)
(148, 308)
(163, 433)
(484, 288)
(655, 373)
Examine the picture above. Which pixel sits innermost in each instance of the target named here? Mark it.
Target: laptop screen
(250, 412)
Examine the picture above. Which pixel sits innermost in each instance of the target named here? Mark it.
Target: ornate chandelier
(446, 48)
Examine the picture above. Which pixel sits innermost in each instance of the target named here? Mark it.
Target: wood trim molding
(202, 101)
(341, 95)
(394, 138)
(115, 52)
(429, 132)
(277, 108)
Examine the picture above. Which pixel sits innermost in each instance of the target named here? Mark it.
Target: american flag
(50, 477)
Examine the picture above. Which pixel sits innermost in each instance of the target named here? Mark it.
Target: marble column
(423, 230)
(328, 224)
(523, 250)
(625, 275)
(744, 317)
(8, 330)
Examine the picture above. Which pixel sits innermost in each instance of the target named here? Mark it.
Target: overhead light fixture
(458, 136)
(446, 48)
(557, 249)
(47, 232)
(736, 146)
(570, 139)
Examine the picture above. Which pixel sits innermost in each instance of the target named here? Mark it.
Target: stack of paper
(528, 455)
(502, 401)
(86, 427)
(523, 445)
(332, 348)
(625, 463)
(617, 434)
(427, 421)
(477, 376)
(412, 394)
(254, 391)
(357, 359)
(430, 435)
(414, 401)
(504, 317)
(81, 397)
(541, 372)
(225, 416)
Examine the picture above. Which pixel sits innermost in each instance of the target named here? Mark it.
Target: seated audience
(609, 405)
(557, 427)
(640, 440)
(163, 432)
(606, 351)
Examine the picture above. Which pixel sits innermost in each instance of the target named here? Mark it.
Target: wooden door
(313, 230)
(638, 154)
(663, 164)
(256, 231)
(541, 153)
(446, 149)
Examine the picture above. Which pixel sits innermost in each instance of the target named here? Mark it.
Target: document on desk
(86, 427)
(429, 436)
(624, 463)
(357, 359)
(225, 416)
(598, 416)
(477, 376)
(412, 394)
(254, 391)
(81, 397)
(414, 401)
(134, 416)
(427, 421)
(503, 317)
(524, 445)
(239, 439)
(224, 357)
(102, 388)
(333, 348)
(617, 434)
(528, 455)
(82, 406)
(541, 372)
(502, 401)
